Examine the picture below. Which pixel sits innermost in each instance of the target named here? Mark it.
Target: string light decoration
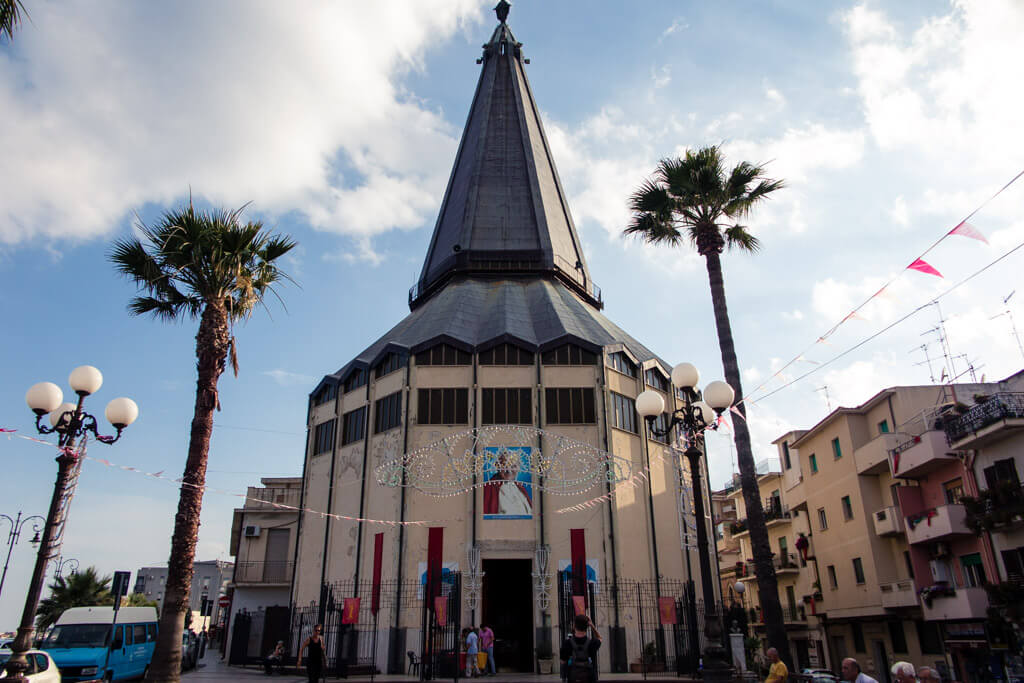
(456, 463)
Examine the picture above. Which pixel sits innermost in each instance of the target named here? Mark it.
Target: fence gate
(440, 648)
(239, 639)
(566, 609)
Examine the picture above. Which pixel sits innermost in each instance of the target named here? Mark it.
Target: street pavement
(212, 669)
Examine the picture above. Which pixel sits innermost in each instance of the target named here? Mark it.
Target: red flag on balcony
(435, 542)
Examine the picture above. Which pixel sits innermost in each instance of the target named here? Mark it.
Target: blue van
(85, 646)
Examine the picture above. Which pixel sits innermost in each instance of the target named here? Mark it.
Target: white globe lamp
(44, 397)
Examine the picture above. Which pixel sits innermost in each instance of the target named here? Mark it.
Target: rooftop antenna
(1009, 314)
(948, 370)
(927, 360)
(970, 369)
(827, 401)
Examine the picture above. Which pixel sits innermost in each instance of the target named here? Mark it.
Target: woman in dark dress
(317, 657)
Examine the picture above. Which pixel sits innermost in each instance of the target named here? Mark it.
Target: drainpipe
(619, 634)
(330, 498)
(476, 457)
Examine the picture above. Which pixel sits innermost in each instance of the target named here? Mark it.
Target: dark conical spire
(504, 211)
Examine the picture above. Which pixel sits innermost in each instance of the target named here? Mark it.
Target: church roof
(504, 210)
(475, 313)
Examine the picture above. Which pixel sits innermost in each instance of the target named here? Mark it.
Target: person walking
(317, 658)
(851, 672)
(579, 652)
(777, 672)
(472, 650)
(487, 645)
(927, 674)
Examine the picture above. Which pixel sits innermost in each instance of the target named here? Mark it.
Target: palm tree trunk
(767, 584)
(211, 352)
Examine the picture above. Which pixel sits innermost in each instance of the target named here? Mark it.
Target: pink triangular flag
(734, 409)
(922, 266)
(965, 229)
(856, 316)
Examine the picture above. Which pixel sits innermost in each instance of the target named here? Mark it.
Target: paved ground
(212, 670)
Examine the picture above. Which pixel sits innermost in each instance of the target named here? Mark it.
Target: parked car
(41, 668)
(820, 675)
(189, 650)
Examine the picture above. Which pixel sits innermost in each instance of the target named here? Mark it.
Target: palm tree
(203, 265)
(695, 199)
(80, 589)
(11, 12)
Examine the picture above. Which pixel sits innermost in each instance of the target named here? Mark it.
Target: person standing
(904, 672)
(317, 658)
(579, 652)
(927, 674)
(472, 650)
(487, 645)
(851, 672)
(777, 672)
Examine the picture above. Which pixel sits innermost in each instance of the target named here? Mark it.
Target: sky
(338, 124)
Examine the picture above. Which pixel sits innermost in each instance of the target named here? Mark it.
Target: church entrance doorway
(507, 607)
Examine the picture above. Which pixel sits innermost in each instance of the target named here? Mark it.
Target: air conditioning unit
(251, 531)
(941, 549)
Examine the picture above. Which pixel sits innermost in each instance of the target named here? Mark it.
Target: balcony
(888, 522)
(262, 498)
(898, 594)
(794, 614)
(278, 572)
(919, 455)
(873, 457)
(937, 523)
(992, 420)
(785, 565)
(955, 603)
(998, 509)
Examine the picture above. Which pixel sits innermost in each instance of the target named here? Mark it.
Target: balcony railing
(943, 603)
(996, 509)
(786, 563)
(794, 614)
(898, 594)
(999, 406)
(260, 498)
(264, 572)
(888, 521)
(937, 523)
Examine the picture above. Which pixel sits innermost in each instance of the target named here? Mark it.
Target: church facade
(506, 350)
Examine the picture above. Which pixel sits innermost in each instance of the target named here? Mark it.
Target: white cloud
(677, 25)
(794, 315)
(108, 108)
(286, 378)
(899, 213)
(661, 76)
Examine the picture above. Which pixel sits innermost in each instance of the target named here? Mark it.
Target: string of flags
(962, 229)
(159, 475)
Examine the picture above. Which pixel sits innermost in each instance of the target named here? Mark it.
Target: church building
(502, 402)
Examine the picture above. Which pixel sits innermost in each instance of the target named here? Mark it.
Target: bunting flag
(922, 266)
(736, 411)
(854, 315)
(965, 229)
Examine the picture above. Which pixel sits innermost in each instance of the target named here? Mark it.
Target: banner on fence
(667, 611)
(579, 604)
(350, 615)
(441, 610)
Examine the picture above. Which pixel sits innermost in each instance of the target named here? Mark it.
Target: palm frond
(164, 310)
(11, 13)
(737, 236)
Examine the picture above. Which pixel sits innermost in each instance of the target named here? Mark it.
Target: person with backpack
(579, 652)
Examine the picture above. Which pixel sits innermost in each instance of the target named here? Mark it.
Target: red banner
(441, 610)
(378, 558)
(578, 553)
(435, 543)
(350, 615)
(579, 604)
(667, 611)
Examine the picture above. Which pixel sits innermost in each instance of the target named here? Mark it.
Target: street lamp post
(17, 524)
(70, 562)
(694, 417)
(70, 422)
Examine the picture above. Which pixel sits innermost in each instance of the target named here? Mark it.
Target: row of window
(928, 637)
(498, 406)
(502, 354)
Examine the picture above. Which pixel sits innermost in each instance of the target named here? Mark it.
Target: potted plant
(545, 657)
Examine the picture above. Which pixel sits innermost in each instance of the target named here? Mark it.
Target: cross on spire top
(501, 9)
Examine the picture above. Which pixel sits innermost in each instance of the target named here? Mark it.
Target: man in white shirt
(851, 672)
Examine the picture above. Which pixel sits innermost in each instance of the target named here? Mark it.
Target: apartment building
(209, 581)
(723, 513)
(263, 537)
(795, 577)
